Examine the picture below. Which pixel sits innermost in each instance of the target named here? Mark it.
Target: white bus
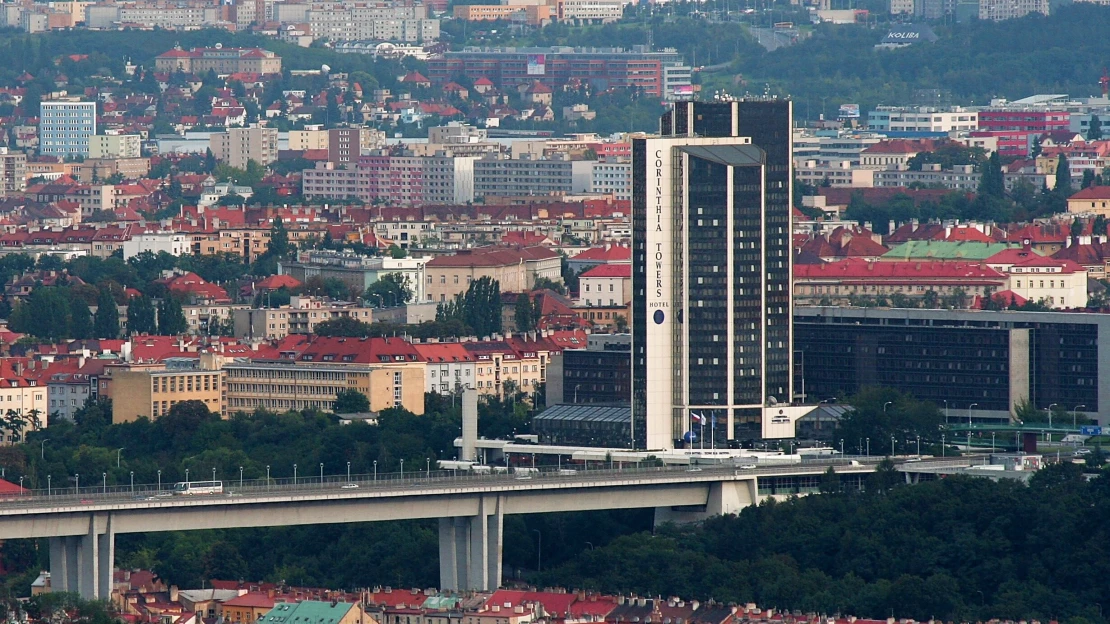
(199, 487)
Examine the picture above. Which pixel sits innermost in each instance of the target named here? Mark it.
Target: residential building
(66, 127)
(298, 386)
(238, 146)
(13, 172)
(358, 272)
(173, 243)
(406, 24)
(149, 16)
(998, 10)
(247, 608)
(848, 281)
(1094, 200)
(220, 60)
(24, 396)
(345, 144)
(594, 256)
(333, 612)
(1060, 284)
(68, 393)
(149, 392)
(115, 146)
(589, 11)
(605, 285)
(516, 270)
(921, 119)
(301, 316)
(450, 368)
(311, 138)
(837, 174)
(958, 178)
(496, 176)
(330, 181)
(973, 364)
(530, 14)
(601, 68)
(612, 178)
(448, 179)
(711, 301)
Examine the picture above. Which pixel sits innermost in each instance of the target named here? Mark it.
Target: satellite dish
(325, 68)
(219, 46)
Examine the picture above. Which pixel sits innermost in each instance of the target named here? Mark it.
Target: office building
(66, 127)
(921, 119)
(711, 271)
(977, 364)
(599, 374)
(152, 392)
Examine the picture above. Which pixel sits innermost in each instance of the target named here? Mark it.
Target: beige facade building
(115, 146)
(312, 138)
(238, 146)
(220, 60)
(515, 269)
(13, 172)
(301, 316)
(152, 392)
(297, 386)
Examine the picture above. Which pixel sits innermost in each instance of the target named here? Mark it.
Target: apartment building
(357, 272)
(495, 176)
(66, 127)
(958, 178)
(612, 178)
(296, 386)
(998, 10)
(115, 146)
(23, 396)
(606, 285)
(531, 14)
(394, 178)
(148, 16)
(327, 180)
(301, 316)
(369, 24)
(449, 367)
(589, 11)
(238, 146)
(138, 392)
(921, 119)
(13, 172)
(311, 138)
(516, 270)
(448, 179)
(346, 144)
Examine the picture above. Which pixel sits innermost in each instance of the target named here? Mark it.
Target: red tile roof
(609, 253)
(856, 269)
(1092, 192)
(613, 270)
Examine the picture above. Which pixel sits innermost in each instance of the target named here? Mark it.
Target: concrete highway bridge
(81, 525)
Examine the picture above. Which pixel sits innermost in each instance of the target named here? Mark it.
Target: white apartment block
(359, 24)
(170, 18)
(958, 178)
(312, 138)
(923, 119)
(66, 127)
(838, 174)
(13, 172)
(327, 181)
(613, 178)
(590, 11)
(998, 10)
(238, 146)
(173, 243)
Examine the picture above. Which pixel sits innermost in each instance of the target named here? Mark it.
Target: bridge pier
(470, 548)
(725, 497)
(83, 563)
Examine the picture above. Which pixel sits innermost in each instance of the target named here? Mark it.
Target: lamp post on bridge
(1074, 422)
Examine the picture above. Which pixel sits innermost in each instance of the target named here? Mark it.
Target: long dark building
(976, 364)
(711, 296)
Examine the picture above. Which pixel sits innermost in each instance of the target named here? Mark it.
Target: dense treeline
(957, 549)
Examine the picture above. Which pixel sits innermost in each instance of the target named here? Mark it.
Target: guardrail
(354, 484)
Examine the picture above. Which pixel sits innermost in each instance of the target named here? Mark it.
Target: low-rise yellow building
(284, 386)
(139, 392)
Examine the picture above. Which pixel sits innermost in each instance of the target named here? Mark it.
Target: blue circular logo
(658, 317)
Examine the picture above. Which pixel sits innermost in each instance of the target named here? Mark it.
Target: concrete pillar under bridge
(725, 497)
(83, 563)
(470, 548)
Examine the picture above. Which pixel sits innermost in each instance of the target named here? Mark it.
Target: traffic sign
(1090, 430)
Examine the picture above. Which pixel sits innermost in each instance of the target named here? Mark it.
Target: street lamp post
(213, 473)
(992, 442)
(945, 410)
(186, 477)
(892, 446)
(969, 413)
(1074, 422)
(240, 477)
(402, 470)
(321, 474)
(539, 549)
(76, 484)
(48, 485)
(942, 450)
(919, 447)
(104, 482)
(375, 470)
(42, 448)
(294, 474)
(886, 404)
(429, 460)
(1050, 419)
(869, 447)
(267, 476)
(842, 447)
(159, 480)
(132, 481)
(118, 451)
(348, 472)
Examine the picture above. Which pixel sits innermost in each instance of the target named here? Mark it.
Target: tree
(106, 324)
(141, 316)
(1063, 177)
(1088, 178)
(522, 314)
(343, 326)
(621, 324)
(351, 401)
(397, 253)
(991, 182)
(479, 307)
(171, 318)
(391, 289)
(1094, 131)
(80, 320)
(930, 299)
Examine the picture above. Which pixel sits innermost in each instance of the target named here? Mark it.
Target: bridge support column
(83, 563)
(470, 548)
(725, 497)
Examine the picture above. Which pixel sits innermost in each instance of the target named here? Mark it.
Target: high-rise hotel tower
(712, 317)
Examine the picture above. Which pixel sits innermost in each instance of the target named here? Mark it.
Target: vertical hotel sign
(661, 313)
